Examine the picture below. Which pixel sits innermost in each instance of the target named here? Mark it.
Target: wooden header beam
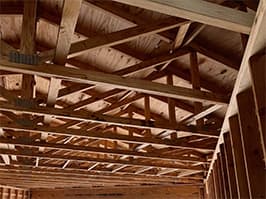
(199, 11)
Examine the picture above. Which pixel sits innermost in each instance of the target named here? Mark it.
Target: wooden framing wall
(171, 192)
(7, 192)
(239, 170)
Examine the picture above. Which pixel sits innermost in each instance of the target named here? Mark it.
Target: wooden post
(251, 142)
(238, 157)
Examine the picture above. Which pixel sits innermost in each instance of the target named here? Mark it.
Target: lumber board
(82, 116)
(92, 77)
(199, 11)
(252, 146)
(230, 166)
(238, 158)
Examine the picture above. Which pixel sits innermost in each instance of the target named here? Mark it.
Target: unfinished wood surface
(90, 77)
(238, 157)
(200, 11)
(256, 44)
(183, 192)
(220, 177)
(68, 22)
(115, 91)
(9, 192)
(224, 174)
(258, 75)
(27, 45)
(94, 117)
(230, 166)
(195, 80)
(252, 146)
(216, 181)
(106, 135)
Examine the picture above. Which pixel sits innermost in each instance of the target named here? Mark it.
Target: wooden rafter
(119, 37)
(200, 11)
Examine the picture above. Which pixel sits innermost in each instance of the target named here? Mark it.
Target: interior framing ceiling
(119, 98)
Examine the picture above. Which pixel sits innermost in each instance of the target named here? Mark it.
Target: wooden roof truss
(47, 139)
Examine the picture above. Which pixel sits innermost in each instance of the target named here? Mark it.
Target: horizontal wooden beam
(76, 158)
(199, 11)
(26, 107)
(100, 135)
(93, 77)
(78, 148)
(84, 173)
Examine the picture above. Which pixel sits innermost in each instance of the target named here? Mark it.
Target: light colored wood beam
(90, 77)
(67, 26)
(199, 11)
(122, 36)
(202, 114)
(105, 119)
(76, 158)
(180, 36)
(106, 135)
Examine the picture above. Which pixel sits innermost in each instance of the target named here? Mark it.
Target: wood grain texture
(182, 192)
(252, 146)
(200, 11)
(90, 77)
(238, 157)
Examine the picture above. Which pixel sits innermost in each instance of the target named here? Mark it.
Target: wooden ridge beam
(92, 77)
(105, 119)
